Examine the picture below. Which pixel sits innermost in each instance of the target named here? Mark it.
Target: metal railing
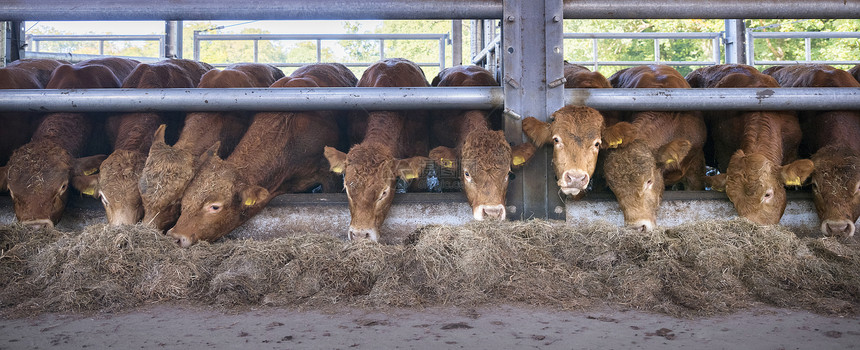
(34, 40)
(318, 38)
(595, 37)
(807, 38)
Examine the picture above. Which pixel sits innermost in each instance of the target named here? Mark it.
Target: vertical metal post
(492, 56)
(594, 54)
(256, 51)
(101, 47)
(442, 53)
(4, 44)
(656, 51)
(457, 42)
(532, 59)
(750, 44)
(319, 50)
(172, 47)
(196, 40)
(381, 48)
(14, 41)
(807, 44)
(476, 33)
(736, 41)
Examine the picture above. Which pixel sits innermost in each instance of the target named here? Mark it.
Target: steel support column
(736, 42)
(173, 39)
(532, 61)
(456, 42)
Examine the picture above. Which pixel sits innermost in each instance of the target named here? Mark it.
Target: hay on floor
(694, 269)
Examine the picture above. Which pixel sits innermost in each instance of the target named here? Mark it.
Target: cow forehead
(38, 163)
(487, 150)
(633, 163)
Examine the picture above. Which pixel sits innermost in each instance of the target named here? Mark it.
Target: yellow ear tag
(670, 161)
(447, 163)
(337, 169)
(89, 192)
(250, 201)
(793, 182)
(91, 171)
(615, 143)
(519, 160)
(410, 175)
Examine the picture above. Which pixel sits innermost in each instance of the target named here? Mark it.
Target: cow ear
(336, 159)
(522, 153)
(410, 168)
(3, 178)
(86, 184)
(671, 154)
(210, 153)
(446, 157)
(254, 196)
(716, 182)
(622, 133)
(158, 138)
(87, 165)
(537, 131)
(797, 172)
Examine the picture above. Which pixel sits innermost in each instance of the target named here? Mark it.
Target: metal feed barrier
(531, 50)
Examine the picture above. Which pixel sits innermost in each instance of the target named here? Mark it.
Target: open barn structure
(530, 58)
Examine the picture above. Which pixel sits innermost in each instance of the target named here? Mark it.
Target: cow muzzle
(837, 228)
(573, 181)
(492, 212)
(642, 225)
(38, 224)
(363, 233)
(181, 240)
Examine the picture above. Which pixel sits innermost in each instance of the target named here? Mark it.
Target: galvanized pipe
(108, 10)
(128, 100)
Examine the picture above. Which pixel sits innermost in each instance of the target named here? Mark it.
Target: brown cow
(834, 138)
(577, 134)
(755, 150)
(666, 149)
(131, 136)
(169, 169)
(372, 166)
(281, 152)
(855, 72)
(18, 126)
(483, 156)
(39, 172)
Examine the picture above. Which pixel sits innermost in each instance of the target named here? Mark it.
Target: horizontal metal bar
(803, 35)
(77, 57)
(649, 35)
(309, 37)
(276, 99)
(636, 63)
(350, 64)
(832, 63)
(95, 37)
(716, 99)
(117, 10)
(710, 9)
(128, 100)
(107, 10)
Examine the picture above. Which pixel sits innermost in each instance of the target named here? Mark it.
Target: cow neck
(263, 149)
(136, 131)
(203, 129)
(384, 128)
(656, 128)
(471, 121)
(763, 134)
(70, 131)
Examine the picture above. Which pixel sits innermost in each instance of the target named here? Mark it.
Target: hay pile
(691, 270)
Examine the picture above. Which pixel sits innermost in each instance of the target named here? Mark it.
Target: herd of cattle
(200, 175)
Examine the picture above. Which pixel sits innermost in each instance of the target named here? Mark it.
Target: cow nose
(839, 228)
(643, 226)
(180, 240)
(575, 178)
(363, 233)
(38, 224)
(496, 212)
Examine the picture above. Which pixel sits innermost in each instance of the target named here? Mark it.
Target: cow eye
(214, 208)
(103, 198)
(556, 139)
(63, 188)
(467, 175)
(768, 194)
(597, 144)
(383, 194)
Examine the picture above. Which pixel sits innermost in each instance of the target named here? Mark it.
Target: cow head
(116, 186)
(485, 159)
(577, 134)
(636, 175)
(165, 175)
(836, 190)
(755, 185)
(217, 200)
(38, 177)
(369, 175)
